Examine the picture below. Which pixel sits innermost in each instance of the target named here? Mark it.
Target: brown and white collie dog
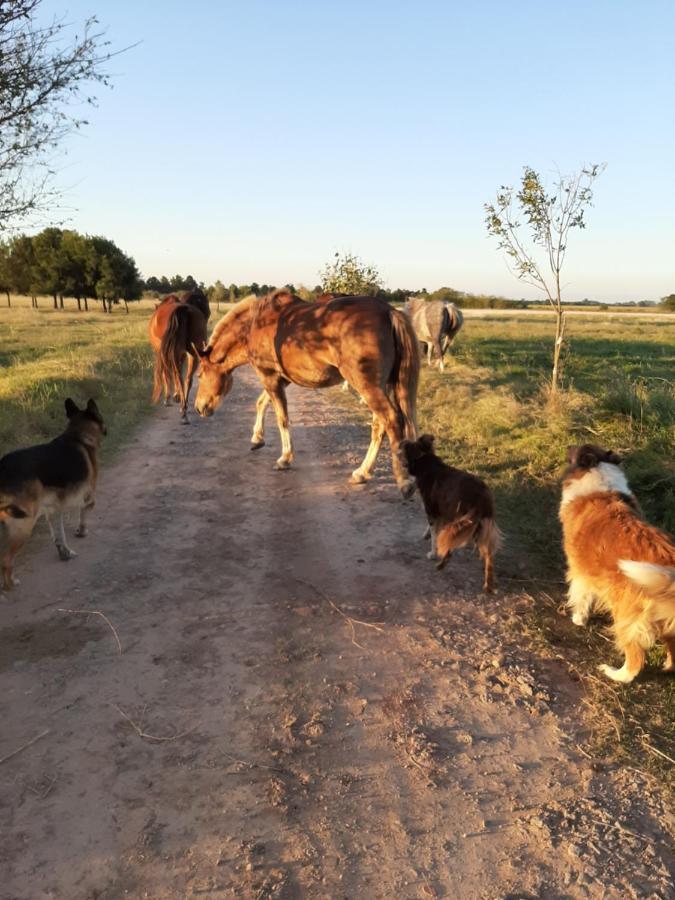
(460, 507)
(616, 561)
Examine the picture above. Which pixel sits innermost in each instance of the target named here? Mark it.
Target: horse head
(215, 382)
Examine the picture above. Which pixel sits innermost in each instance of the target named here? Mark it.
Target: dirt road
(252, 741)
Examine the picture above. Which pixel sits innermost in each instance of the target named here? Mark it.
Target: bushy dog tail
(656, 581)
(489, 536)
(9, 509)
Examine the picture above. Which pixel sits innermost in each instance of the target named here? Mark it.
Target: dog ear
(613, 458)
(426, 442)
(92, 407)
(587, 457)
(71, 408)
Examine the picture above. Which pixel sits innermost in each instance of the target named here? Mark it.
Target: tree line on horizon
(63, 263)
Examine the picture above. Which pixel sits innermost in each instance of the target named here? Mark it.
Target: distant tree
(164, 285)
(233, 291)
(43, 70)
(218, 294)
(5, 275)
(153, 284)
(668, 302)
(347, 274)
(550, 218)
(49, 264)
(22, 267)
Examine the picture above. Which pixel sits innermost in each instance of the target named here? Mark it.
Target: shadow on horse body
(362, 340)
(176, 327)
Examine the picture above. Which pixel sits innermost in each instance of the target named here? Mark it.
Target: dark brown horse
(359, 339)
(177, 325)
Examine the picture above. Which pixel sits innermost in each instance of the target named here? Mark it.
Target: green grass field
(48, 355)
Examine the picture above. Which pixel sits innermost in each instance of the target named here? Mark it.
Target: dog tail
(10, 509)
(656, 581)
(489, 536)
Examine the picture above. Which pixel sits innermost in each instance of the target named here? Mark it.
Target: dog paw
(81, 532)
(65, 553)
(669, 664)
(427, 533)
(407, 488)
(431, 555)
(580, 620)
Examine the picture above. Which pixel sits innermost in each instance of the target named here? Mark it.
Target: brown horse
(316, 345)
(176, 325)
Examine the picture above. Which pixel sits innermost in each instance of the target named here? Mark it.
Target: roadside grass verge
(492, 413)
(48, 355)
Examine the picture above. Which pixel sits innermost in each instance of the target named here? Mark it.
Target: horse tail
(167, 360)
(406, 371)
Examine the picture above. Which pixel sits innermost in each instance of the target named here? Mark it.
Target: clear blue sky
(250, 140)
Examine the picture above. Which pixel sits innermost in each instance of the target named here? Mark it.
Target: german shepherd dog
(459, 506)
(49, 479)
(616, 561)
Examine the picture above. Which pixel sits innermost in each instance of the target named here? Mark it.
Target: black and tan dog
(48, 479)
(459, 506)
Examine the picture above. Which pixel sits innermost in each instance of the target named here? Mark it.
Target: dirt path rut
(252, 741)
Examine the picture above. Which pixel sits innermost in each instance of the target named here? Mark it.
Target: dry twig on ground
(151, 737)
(350, 620)
(96, 612)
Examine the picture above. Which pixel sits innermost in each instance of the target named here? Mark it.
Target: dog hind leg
(580, 601)
(18, 532)
(632, 666)
(59, 538)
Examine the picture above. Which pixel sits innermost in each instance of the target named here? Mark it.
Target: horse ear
(71, 408)
(202, 354)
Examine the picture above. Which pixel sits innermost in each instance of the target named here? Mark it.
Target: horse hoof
(281, 465)
(358, 477)
(184, 420)
(408, 488)
(256, 445)
(81, 532)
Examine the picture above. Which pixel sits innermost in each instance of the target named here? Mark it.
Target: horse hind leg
(365, 470)
(391, 419)
(187, 387)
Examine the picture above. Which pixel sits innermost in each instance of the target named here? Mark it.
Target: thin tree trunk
(56, 301)
(35, 303)
(9, 299)
(86, 305)
(557, 348)
(126, 307)
(79, 304)
(61, 301)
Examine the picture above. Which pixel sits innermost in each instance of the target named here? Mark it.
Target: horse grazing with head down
(176, 326)
(362, 340)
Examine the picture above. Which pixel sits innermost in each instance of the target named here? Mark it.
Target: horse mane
(235, 313)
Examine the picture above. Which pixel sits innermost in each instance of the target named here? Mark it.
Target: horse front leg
(258, 436)
(277, 395)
